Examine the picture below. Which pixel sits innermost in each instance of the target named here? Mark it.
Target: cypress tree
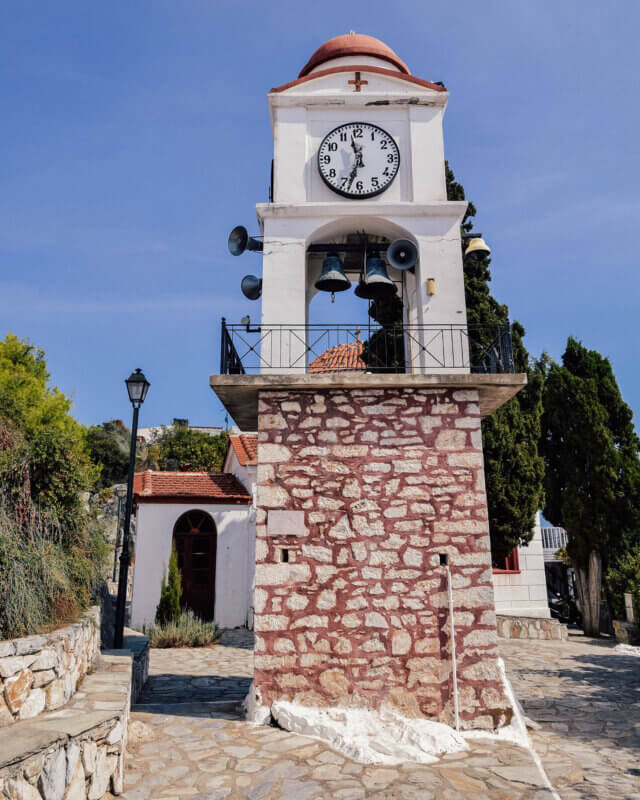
(514, 470)
(592, 476)
(170, 593)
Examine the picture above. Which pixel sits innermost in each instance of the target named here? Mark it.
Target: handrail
(373, 348)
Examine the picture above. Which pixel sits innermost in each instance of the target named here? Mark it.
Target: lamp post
(137, 388)
(121, 494)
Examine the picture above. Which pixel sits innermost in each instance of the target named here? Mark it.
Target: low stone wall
(41, 673)
(530, 628)
(138, 645)
(626, 632)
(75, 754)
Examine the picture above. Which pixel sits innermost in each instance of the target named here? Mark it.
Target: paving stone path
(585, 696)
(194, 744)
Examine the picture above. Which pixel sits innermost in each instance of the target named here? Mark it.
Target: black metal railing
(373, 348)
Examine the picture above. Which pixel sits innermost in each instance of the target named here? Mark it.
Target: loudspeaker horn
(402, 254)
(239, 241)
(251, 287)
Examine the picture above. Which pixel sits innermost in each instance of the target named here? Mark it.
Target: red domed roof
(353, 44)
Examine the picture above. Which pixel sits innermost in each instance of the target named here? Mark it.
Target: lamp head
(137, 387)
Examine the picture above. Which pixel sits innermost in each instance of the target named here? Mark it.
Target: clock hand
(357, 149)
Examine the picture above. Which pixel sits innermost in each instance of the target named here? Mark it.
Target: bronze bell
(376, 283)
(332, 278)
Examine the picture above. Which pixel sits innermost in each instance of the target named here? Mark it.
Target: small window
(284, 555)
(510, 564)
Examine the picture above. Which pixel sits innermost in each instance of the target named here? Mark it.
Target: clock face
(358, 160)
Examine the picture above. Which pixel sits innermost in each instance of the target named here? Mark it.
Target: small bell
(477, 248)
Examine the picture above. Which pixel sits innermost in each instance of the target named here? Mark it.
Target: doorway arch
(195, 539)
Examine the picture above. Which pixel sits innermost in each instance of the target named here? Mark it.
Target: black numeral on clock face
(333, 146)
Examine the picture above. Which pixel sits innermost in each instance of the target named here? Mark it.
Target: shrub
(187, 631)
(624, 576)
(170, 593)
(42, 583)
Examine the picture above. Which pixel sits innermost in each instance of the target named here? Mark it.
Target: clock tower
(373, 583)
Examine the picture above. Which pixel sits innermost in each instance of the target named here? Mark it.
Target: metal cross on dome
(358, 83)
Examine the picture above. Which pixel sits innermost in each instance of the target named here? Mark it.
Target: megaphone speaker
(402, 254)
(251, 287)
(239, 241)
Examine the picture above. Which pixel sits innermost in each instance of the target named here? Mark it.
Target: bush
(623, 577)
(170, 593)
(187, 631)
(42, 583)
(52, 550)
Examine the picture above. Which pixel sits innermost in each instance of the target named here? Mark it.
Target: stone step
(233, 706)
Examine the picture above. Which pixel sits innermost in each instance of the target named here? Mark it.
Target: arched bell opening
(357, 300)
(195, 540)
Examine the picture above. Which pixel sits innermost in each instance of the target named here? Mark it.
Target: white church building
(217, 564)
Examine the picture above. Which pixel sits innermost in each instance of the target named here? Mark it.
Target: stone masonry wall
(510, 627)
(77, 753)
(40, 673)
(359, 492)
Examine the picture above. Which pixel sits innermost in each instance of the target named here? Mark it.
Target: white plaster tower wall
(415, 204)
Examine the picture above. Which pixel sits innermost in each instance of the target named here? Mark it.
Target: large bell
(332, 278)
(377, 283)
(477, 248)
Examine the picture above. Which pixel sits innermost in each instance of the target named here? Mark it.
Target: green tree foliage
(52, 442)
(170, 593)
(592, 470)
(108, 445)
(384, 350)
(624, 576)
(52, 550)
(182, 449)
(514, 470)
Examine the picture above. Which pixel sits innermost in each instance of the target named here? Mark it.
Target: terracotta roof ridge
(437, 87)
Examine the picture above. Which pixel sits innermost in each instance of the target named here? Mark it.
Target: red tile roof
(245, 446)
(353, 44)
(210, 487)
(341, 357)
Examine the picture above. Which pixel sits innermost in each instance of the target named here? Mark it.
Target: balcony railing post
(223, 347)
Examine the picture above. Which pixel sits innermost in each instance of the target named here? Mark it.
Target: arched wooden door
(195, 540)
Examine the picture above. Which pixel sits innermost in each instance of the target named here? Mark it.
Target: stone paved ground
(586, 698)
(193, 745)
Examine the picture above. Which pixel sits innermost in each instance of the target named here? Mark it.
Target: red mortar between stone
(387, 480)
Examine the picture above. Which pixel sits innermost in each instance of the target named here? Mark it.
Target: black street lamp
(137, 387)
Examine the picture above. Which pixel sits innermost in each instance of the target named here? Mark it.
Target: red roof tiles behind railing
(341, 357)
(212, 487)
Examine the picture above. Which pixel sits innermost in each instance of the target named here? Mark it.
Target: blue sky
(134, 136)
